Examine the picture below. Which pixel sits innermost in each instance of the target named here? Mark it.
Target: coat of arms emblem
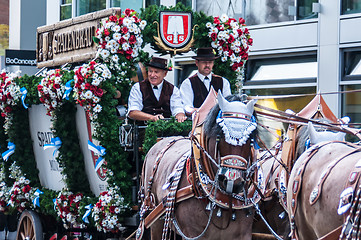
(175, 31)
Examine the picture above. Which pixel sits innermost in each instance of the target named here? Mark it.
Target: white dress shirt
(186, 90)
(135, 100)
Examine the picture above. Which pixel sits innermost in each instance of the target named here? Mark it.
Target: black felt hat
(160, 63)
(205, 54)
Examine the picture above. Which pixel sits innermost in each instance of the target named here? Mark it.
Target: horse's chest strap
(181, 195)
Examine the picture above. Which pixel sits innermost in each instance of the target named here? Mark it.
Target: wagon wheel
(29, 227)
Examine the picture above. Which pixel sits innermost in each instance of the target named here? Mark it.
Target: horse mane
(211, 129)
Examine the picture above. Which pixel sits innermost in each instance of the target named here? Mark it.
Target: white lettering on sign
(20, 61)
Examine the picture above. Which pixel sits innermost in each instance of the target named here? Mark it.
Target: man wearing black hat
(195, 89)
(155, 98)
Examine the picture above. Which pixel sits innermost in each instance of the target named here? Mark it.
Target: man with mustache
(195, 89)
(155, 98)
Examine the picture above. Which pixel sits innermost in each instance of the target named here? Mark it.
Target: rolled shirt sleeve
(135, 100)
(176, 105)
(226, 91)
(186, 93)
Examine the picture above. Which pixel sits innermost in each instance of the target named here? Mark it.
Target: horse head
(227, 132)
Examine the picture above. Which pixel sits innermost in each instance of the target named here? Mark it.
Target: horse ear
(250, 105)
(312, 132)
(222, 102)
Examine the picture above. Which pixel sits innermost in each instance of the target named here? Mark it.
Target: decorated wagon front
(64, 173)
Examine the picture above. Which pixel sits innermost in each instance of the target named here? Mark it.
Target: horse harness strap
(182, 194)
(317, 190)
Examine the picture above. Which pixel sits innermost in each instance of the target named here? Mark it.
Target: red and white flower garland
(51, 90)
(67, 207)
(9, 95)
(88, 80)
(120, 37)
(108, 210)
(231, 40)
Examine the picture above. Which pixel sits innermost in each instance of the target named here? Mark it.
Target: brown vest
(150, 103)
(200, 91)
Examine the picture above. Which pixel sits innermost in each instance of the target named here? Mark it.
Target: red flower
(127, 12)
(8, 109)
(26, 189)
(231, 39)
(112, 209)
(132, 39)
(250, 41)
(124, 30)
(241, 21)
(113, 18)
(99, 92)
(106, 32)
(214, 36)
(216, 20)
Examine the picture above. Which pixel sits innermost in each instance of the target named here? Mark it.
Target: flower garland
(21, 191)
(9, 95)
(51, 90)
(87, 89)
(107, 211)
(4, 190)
(231, 40)
(120, 39)
(68, 209)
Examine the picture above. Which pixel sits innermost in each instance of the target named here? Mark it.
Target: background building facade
(300, 46)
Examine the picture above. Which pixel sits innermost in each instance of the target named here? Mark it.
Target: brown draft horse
(318, 178)
(273, 206)
(229, 182)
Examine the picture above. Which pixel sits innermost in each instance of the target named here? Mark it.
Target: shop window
(351, 86)
(282, 70)
(88, 6)
(276, 129)
(185, 71)
(304, 9)
(65, 9)
(233, 8)
(124, 4)
(187, 3)
(152, 2)
(351, 6)
(352, 65)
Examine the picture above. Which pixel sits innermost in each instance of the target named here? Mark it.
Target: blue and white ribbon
(36, 200)
(7, 154)
(24, 92)
(68, 89)
(54, 201)
(98, 150)
(87, 213)
(55, 143)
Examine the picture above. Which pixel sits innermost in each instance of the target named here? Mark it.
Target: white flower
(96, 82)
(104, 53)
(224, 59)
(125, 46)
(224, 18)
(96, 99)
(116, 29)
(115, 58)
(117, 36)
(209, 25)
(97, 108)
(53, 103)
(142, 24)
(88, 94)
(127, 21)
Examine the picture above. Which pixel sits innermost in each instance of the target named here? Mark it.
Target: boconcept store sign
(20, 57)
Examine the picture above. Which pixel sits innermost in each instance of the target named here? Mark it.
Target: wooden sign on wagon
(71, 40)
